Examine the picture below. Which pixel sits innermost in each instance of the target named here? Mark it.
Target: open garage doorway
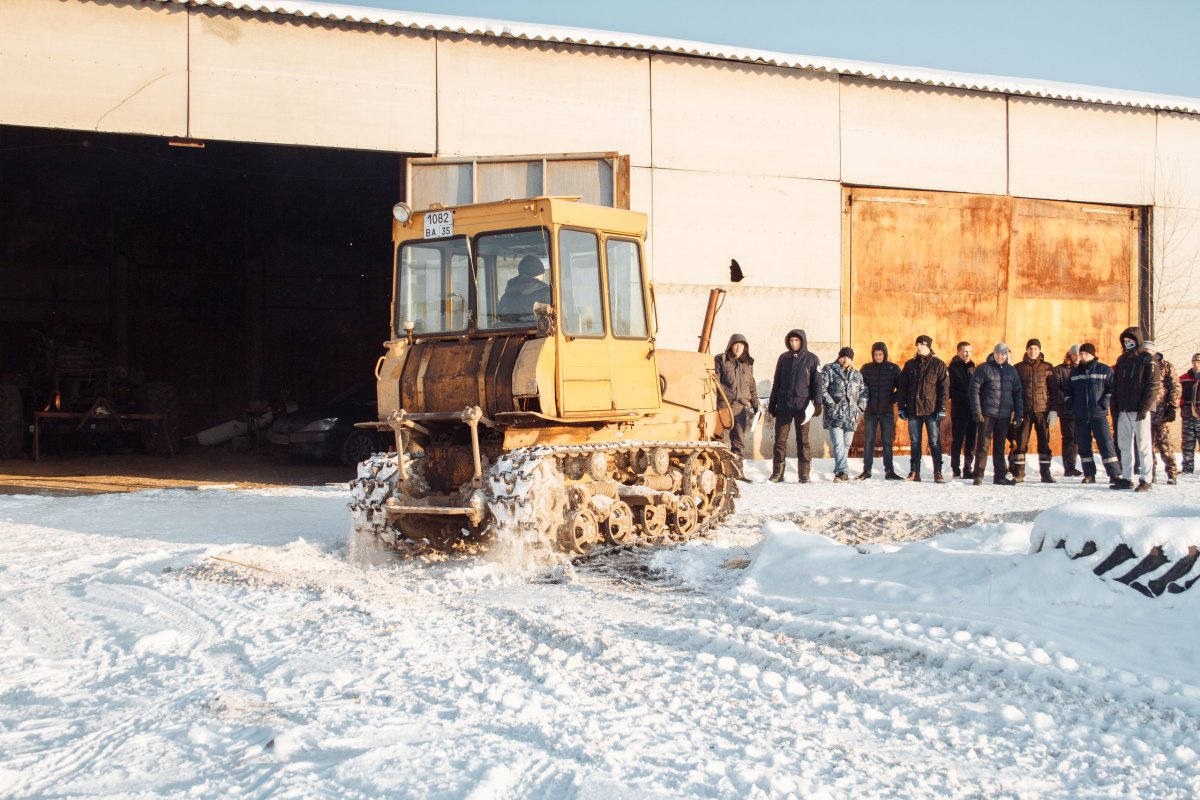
(241, 274)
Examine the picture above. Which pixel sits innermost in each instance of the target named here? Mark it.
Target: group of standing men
(996, 403)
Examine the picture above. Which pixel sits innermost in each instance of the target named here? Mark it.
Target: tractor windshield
(439, 292)
(435, 286)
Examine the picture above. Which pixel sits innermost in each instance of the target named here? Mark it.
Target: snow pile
(1175, 527)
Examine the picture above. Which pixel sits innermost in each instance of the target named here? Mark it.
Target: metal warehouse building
(208, 184)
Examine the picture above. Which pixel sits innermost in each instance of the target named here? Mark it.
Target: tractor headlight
(321, 424)
(402, 212)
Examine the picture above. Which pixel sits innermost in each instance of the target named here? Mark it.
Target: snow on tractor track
(875, 640)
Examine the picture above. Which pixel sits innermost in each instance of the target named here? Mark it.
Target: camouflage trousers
(1160, 434)
(1191, 434)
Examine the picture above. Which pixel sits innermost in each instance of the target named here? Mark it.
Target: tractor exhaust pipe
(716, 299)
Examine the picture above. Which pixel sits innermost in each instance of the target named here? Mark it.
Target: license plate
(439, 224)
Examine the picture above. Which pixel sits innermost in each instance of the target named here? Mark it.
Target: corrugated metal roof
(627, 41)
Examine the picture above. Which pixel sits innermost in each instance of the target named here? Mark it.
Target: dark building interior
(240, 273)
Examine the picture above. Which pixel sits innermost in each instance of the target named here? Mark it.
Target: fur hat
(1088, 347)
(925, 340)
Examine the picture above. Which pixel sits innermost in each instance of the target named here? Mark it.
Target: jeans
(930, 425)
(962, 441)
(1099, 428)
(993, 431)
(886, 423)
(1134, 437)
(840, 438)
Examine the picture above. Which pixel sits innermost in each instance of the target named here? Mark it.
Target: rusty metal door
(984, 268)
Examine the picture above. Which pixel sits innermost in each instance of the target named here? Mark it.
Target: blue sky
(1149, 46)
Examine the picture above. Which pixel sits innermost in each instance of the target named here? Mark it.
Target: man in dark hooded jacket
(880, 377)
(1189, 408)
(962, 425)
(924, 389)
(1136, 385)
(735, 370)
(996, 398)
(797, 382)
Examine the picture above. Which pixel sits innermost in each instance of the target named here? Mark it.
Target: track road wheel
(579, 532)
(12, 424)
(653, 522)
(685, 518)
(618, 528)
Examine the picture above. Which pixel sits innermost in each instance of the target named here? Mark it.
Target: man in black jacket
(881, 377)
(924, 389)
(1088, 393)
(1066, 415)
(996, 400)
(797, 382)
(735, 370)
(962, 424)
(1135, 391)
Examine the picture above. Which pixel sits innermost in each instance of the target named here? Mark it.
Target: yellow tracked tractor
(526, 392)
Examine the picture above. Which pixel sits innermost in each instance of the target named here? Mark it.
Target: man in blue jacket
(797, 382)
(1088, 394)
(997, 400)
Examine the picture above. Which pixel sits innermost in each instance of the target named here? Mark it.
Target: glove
(816, 410)
(1169, 416)
(1141, 416)
(903, 415)
(981, 419)
(1017, 421)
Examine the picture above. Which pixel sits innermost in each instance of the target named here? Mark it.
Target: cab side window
(627, 306)
(579, 265)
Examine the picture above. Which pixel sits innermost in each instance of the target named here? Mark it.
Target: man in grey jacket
(844, 399)
(735, 370)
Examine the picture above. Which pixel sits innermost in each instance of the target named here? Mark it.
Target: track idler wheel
(579, 532)
(653, 522)
(685, 518)
(618, 528)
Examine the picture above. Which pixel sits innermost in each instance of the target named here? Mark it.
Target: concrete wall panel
(294, 82)
(784, 232)
(917, 137)
(1175, 253)
(90, 66)
(502, 97)
(1077, 151)
(728, 117)
(1177, 174)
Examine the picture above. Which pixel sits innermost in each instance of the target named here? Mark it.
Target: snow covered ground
(220, 643)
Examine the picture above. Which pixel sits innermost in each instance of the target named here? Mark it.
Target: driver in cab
(523, 290)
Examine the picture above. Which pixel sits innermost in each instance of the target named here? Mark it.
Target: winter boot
(805, 470)
(1003, 480)
(1046, 476)
(978, 480)
(1121, 483)
(968, 468)
(1018, 475)
(892, 475)
(1088, 479)
(915, 477)
(777, 467)
(937, 478)
(865, 475)
(1142, 487)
